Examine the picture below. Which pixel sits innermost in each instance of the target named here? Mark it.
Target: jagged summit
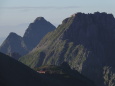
(95, 13)
(13, 44)
(13, 35)
(39, 19)
(35, 32)
(88, 26)
(95, 17)
(90, 17)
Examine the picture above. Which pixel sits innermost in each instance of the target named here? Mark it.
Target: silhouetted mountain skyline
(36, 31)
(84, 41)
(33, 34)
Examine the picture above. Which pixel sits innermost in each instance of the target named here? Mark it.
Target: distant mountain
(14, 73)
(17, 45)
(36, 31)
(85, 41)
(14, 43)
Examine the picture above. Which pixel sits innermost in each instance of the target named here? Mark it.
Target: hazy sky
(15, 15)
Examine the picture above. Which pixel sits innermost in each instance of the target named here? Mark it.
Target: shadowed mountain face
(63, 75)
(17, 45)
(35, 32)
(14, 73)
(85, 41)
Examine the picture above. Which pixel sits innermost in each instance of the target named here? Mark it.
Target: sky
(16, 15)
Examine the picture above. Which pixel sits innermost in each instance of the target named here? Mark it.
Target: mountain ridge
(85, 41)
(17, 45)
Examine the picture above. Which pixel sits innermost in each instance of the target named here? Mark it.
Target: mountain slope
(63, 75)
(17, 46)
(14, 73)
(85, 41)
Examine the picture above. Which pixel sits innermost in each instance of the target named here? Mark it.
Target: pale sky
(15, 15)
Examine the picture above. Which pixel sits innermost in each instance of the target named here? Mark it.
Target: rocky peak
(90, 26)
(97, 16)
(36, 31)
(39, 19)
(13, 35)
(94, 31)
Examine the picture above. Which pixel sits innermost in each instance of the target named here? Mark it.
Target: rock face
(17, 45)
(14, 73)
(85, 41)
